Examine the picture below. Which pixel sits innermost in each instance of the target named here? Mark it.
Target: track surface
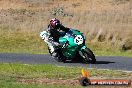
(103, 62)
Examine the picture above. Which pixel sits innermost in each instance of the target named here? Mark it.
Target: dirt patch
(71, 82)
(49, 81)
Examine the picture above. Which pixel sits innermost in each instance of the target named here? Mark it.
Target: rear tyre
(89, 56)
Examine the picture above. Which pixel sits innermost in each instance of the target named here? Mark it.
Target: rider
(53, 31)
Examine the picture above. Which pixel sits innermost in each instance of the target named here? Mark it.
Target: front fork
(81, 53)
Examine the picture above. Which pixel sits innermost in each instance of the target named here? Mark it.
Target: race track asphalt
(103, 62)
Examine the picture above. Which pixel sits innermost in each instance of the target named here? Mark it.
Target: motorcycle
(73, 46)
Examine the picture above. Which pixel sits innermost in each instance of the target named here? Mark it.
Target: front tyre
(89, 57)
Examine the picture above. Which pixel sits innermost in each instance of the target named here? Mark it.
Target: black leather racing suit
(54, 34)
(53, 37)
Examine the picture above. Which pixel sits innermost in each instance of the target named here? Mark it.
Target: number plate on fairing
(78, 40)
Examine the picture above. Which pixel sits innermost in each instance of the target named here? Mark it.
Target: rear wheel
(89, 57)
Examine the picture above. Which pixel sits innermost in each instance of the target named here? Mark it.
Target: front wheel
(89, 57)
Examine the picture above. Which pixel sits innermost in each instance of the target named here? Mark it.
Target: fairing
(72, 48)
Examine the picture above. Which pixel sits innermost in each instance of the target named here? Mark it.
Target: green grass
(10, 73)
(20, 43)
(113, 53)
(5, 84)
(53, 72)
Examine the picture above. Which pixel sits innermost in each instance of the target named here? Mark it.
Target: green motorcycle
(74, 47)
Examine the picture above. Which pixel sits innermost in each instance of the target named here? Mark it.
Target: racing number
(78, 40)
